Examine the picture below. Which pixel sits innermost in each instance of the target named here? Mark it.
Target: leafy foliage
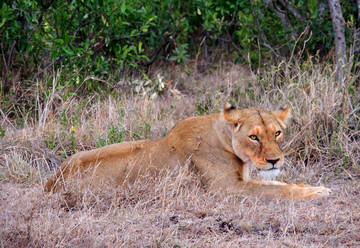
(103, 37)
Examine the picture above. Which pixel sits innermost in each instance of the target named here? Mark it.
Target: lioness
(221, 147)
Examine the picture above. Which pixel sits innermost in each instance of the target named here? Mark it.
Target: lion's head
(256, 135)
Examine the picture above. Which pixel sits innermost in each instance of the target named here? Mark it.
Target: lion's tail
(53, 184)
(49, 186)
(56, 182)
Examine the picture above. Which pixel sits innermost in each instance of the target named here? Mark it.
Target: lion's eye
(254, 137)
(277, 133)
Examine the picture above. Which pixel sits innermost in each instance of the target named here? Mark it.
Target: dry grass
(323, 147)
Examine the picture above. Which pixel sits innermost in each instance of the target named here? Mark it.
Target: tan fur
(220, 146)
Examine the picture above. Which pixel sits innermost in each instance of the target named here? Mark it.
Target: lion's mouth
(270, 169)
(269, 174)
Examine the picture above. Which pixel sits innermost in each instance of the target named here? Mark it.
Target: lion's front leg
(274, 189)
(234, 177)
(283, 190)
(301, 191)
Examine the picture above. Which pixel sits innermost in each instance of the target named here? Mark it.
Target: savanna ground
(174, 210)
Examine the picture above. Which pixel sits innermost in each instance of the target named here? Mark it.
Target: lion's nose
(273, 161)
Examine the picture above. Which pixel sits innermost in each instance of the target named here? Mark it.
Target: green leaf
(60, 41)
(145, 28)
(312, 5)
(104, 21)
(2, 22)
(54, 54)
(123, 7)
(68, 51)
(140, 47)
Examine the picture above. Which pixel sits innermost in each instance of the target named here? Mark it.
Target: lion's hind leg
(72, 171)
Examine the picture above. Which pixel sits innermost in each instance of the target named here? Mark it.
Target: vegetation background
(76, 75)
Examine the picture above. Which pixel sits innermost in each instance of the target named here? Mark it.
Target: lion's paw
(318, 192)
(305, 192)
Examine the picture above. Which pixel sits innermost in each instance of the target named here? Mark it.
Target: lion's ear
(228, 107)
(226, 110)
(235, 123)
(283, 115)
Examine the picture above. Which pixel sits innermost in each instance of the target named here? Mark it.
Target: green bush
(102, 37)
